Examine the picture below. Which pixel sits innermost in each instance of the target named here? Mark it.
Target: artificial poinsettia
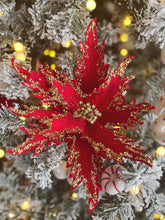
(86, 113)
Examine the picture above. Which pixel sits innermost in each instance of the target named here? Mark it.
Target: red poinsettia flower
(83, 112)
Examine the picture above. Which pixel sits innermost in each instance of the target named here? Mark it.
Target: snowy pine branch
(44, 163)
(10, 82)
(150, 25)
(53, 21)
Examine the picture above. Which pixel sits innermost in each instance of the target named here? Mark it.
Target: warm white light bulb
(2, 153)
(52, 66)
(135, 190)
(1, 13)
(160, 151)
(45, 106)
(127, 20)
(90, 5)
(25, 205)
(19, 47)
(67, 43)
(20, 56)
(124, 37)
(11, 215)
(52, 53)
(74, 196)
(124, 52)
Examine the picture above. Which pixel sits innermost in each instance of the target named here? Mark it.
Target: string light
(19, 47)
(11, 215)
(160, 151)
(45, 106)
(52, 66)
(46, 52)
(52, 213)
(25, 205)
(67, 43)
(159, 217)
(2, 153)
(156, 216)
(123, 52)
(124, 37)
(20, 56)
(127, 20)
(90, 5)
(116, 127)
(52, 53)
(24, 218)
(1, 13)
(74, 196)
(135, 190)
(22, 118)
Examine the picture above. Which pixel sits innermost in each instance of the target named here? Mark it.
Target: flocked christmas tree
(81, 132)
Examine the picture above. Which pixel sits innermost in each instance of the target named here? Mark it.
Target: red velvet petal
(86, 167)
(111, 144)
(70, 92)
(110, 92)
(91, 69)
(32, 76)
(54, 130)
(124, 115)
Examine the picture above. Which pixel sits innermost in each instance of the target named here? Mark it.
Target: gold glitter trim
(88, 112)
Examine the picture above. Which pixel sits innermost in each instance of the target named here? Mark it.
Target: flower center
(88, 112)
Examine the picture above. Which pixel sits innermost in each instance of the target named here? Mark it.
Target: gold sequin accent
(88, 112)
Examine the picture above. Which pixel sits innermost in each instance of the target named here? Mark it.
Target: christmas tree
(82, 109)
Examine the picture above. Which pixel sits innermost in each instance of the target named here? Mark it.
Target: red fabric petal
(33, 77)
(124, 115)
(54, 130)
(110, 91)
(111, 144)
(35, 142)
(70, 92)
(91, 69)
(87, 168)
